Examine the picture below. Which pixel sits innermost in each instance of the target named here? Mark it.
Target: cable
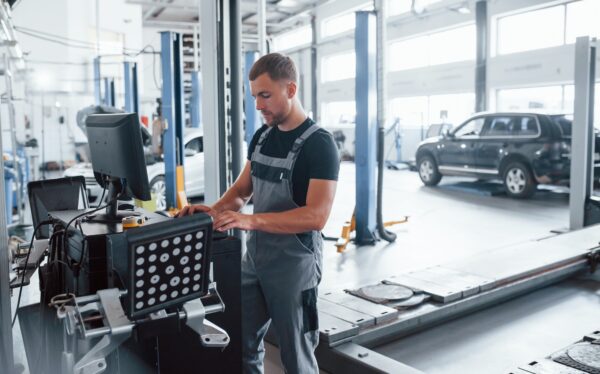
(37, 227)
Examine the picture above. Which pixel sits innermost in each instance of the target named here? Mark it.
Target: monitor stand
(113, 215)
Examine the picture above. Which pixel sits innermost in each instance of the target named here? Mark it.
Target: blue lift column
(366, 127)
(173, 110)
(131, 92)
(97, 91)
(195, 100)
(252, 120)
(109, 90)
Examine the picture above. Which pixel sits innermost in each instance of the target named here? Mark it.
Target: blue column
(107, 93)
(195, 100)
(252, 120)
(366, 127)
(97, 91)
(128, 81)
(172, 108)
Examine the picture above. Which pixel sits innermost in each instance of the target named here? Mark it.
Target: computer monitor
(118, 159)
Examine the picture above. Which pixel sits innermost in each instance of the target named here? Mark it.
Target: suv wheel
(428, 171)
(159, 189)
(518, 180)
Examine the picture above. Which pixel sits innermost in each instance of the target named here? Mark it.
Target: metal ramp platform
(351, 325)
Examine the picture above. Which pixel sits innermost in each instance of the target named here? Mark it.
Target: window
(582, 19)
(408, 54)
(194, 147)
(547, 99)
(442, 47)
(396, 7)
(293, 39)
(498, 126)
(524, 126)
(471, 128)
(338, 67)
(422, 111)
(339, 24)
(451, 108)
(453, 45)
(338, 112)
(531, 30)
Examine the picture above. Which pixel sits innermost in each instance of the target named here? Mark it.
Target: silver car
(193, 172)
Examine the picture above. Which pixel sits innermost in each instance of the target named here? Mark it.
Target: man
(291, 174)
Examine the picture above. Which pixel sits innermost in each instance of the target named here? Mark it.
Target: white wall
(64, 74)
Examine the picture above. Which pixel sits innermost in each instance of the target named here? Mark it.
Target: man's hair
(278, 67)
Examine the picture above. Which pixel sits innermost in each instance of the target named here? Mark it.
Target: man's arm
(233, 199)
(312, 216)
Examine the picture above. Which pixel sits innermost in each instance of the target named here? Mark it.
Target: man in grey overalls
(291, 174)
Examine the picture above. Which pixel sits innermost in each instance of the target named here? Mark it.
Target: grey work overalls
(280, 274)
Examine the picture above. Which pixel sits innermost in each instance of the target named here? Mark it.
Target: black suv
(522, 149)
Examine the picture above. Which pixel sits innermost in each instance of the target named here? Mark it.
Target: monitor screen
(117, 156)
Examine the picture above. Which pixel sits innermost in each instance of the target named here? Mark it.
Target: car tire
(159, 188)
(428, 171)
(518, 180)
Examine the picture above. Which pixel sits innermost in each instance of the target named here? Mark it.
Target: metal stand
(117, 328)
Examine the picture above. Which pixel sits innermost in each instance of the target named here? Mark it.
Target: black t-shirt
(318, 157)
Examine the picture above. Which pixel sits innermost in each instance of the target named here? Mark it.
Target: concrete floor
(446, 225)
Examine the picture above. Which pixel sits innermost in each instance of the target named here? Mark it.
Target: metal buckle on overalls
(281, 176)
(296, 146)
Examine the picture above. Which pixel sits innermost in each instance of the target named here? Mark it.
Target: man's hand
(188, 210)
(233, 220)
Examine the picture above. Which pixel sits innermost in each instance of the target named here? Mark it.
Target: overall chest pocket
(269, 173)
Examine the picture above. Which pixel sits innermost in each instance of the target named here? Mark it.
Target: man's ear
(291, 89)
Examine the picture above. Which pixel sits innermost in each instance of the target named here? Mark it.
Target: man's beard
(276, 121)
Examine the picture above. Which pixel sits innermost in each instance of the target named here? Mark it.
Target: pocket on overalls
(309, 310)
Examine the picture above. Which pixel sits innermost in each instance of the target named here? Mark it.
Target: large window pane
(292, 39)
(532, 30)
(396, 7)
(582, 19)
(452, 45)
(408, 54)
(338, 24)
(451, 108)
(536, 99)
(442, 47)
(337, 67)
(410, 111)
(336, 113)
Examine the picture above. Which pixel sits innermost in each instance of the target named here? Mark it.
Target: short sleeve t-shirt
(318, 158)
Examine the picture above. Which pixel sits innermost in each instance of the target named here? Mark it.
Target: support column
(97, 83)
(582, 138)
(366, 126)
(195, 100)
(6, 338)
(314, 81)
(172, 110)
(235, 46)
(252, 119)
(481, 22)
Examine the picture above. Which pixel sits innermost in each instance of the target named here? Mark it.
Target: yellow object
(180, 183)
(132, 221)
(149, 205)
(349, 228)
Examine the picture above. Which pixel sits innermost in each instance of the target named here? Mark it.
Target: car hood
(84, 169)
(432, 140)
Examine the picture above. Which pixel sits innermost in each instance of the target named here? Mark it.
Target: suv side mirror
(189, 152)
(446, 134)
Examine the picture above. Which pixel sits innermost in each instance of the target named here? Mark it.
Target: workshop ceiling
(280, 14)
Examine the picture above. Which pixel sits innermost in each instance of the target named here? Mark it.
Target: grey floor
(446, 225)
